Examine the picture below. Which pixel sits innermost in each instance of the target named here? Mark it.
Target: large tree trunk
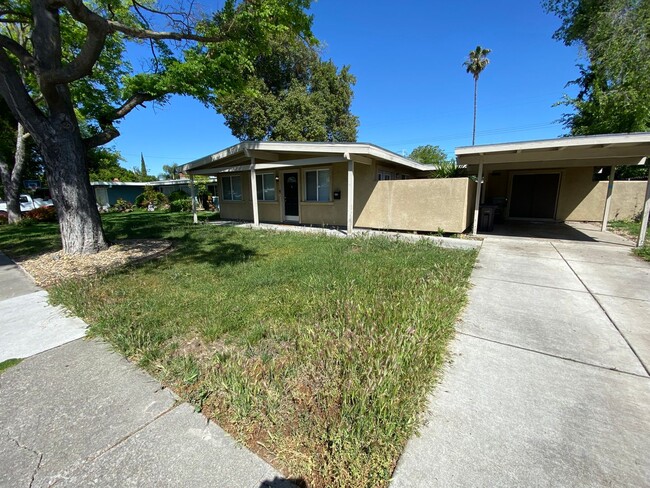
(474, 125)
(74, 198)
(11, 178)
(12, 193)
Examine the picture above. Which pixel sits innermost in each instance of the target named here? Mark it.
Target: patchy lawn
(632, 228)
(317, 352)
(5, 365)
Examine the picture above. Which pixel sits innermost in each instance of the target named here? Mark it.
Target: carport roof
(600, 150)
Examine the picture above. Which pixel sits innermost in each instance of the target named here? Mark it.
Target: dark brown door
(291, 196)
(534, 196)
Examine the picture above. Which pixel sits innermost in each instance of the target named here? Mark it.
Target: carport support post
(477, 200)
(608, 200)
(646, 213)
(256, 213)
(195, 218)
(350, 202)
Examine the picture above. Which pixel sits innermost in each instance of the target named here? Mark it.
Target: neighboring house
(108, 192)
(363, 185)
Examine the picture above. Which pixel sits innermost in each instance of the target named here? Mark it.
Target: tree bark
(11, 178)
(73, 197)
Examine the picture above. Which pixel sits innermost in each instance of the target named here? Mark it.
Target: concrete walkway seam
(636, 354)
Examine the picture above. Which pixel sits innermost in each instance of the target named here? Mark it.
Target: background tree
(476, 62)
(143, 166)
(200, 56)
(446, 167)
(614, 82)
(429, 155)
(292, 95)
(170, 171)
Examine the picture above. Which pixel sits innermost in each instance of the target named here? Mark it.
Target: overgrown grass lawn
(317, 352)
(632, 228)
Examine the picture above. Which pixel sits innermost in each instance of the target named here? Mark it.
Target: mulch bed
(50, 268)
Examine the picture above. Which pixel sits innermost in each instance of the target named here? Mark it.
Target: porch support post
(646, 213)
(256, 212)
(477, 200)
(195, 218)
(608, 199)
(350, 225)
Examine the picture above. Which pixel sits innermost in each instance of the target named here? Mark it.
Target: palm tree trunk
(474, 127)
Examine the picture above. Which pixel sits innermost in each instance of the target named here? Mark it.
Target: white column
(193, 197)
(350, 226)
(646, 213)
(477, 200)
(608, 199)
(256, 212)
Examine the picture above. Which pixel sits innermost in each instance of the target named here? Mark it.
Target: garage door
(534, 196)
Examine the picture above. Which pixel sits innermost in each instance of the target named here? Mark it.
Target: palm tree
(475, 64)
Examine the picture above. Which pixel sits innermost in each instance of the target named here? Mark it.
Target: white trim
(256, 210)
(608, 198)
(350, 197)
(560, 143)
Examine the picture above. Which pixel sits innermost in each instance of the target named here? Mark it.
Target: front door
(534, 196)
(291, 210)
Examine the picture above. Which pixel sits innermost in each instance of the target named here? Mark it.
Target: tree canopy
(429, 154)
(614, 81)
(292, 95)
(203, 55)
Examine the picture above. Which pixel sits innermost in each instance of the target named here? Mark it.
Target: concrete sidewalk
(79, 414)
(549, 380)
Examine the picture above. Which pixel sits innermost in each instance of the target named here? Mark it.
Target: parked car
(28, 203)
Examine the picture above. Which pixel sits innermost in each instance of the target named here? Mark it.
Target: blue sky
(411, 86)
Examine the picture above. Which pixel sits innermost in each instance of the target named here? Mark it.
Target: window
(266, 187)
(231, 187)
(385, 175)
(317, 185)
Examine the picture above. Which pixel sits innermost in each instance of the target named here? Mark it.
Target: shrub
(184, 205)
(3, 218)
(178, 195)
(122, 205)
(151, 196)
(42, 214)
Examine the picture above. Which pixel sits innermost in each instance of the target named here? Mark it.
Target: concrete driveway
(549, 381)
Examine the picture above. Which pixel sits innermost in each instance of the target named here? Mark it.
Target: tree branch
(160, 35)
(20, 103)
(23, 55)
(82, 65)
(109, 131)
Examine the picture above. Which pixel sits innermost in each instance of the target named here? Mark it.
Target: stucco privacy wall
(583, 199)
(424, 205)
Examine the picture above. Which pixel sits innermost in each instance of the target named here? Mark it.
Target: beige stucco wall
(423, 205)
(580, 198)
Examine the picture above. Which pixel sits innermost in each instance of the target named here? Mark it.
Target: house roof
(297, 154)
(608, 149)
(180, 181)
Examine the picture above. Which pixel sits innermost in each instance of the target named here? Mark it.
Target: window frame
(305, 191)
(227, 198)
(261, 187)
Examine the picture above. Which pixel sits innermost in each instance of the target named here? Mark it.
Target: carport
(557, 180)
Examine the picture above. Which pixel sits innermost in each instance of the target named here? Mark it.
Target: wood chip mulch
(50, 268)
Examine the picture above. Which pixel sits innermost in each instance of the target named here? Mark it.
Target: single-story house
(363, 185)
(334, 184)
(108, 192)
